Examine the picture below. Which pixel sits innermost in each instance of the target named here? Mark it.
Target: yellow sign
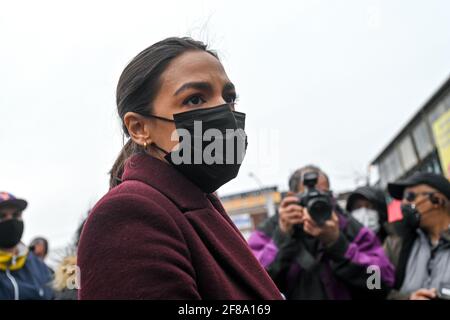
(441, 132)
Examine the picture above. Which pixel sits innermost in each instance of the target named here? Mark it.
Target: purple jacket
(303, 269)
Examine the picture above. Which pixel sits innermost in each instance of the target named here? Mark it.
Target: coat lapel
(167, 180)
(229, 248)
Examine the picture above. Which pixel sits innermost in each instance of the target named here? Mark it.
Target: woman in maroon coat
(160, 232)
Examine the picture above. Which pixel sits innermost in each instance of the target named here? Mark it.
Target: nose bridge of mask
(220, 118)
(211, 118)
(215, 117)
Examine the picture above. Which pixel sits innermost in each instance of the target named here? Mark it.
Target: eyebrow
(206, 86)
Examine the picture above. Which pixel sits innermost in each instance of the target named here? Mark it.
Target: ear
(138, 127)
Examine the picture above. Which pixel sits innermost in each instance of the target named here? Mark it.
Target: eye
(195, 100)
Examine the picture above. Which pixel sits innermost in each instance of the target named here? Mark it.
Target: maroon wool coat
(158, 236)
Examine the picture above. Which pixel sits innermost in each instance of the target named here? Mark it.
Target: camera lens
(320, 210)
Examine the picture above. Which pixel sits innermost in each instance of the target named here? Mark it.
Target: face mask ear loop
(154, 144)
(160, 118)
(159, 148)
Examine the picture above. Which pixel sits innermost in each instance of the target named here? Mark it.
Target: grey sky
(325, 82)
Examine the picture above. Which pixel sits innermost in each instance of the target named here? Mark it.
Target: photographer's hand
(290, 213)
(423, 294)
(327, 234)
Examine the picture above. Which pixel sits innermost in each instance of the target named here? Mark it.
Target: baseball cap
(436, 181)
(9, 200)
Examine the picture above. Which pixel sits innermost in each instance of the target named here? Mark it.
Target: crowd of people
(24, 274)
(304, 260)
(332, 261)
(161, 231)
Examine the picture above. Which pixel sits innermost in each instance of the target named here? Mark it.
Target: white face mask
(368, 218)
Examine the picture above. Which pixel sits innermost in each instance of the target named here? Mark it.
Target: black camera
(319, 204)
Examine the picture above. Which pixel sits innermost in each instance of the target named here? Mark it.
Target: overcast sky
(324, 82)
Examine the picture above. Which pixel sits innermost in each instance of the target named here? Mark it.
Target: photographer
(421, 249)
(313, 259)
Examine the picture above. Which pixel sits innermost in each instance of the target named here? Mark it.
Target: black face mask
(211, 163)
(10, 233)
(411, 216)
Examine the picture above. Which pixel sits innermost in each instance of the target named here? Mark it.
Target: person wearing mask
(160, 232)
(319, 262)
(421, 248)
(23, 276)
(368, 206)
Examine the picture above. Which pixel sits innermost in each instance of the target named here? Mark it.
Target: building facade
(422, 145)
(249, 209)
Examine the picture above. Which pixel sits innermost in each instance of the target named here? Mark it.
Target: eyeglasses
(411, 196)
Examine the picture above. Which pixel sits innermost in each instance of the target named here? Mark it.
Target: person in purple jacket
(339, 260)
